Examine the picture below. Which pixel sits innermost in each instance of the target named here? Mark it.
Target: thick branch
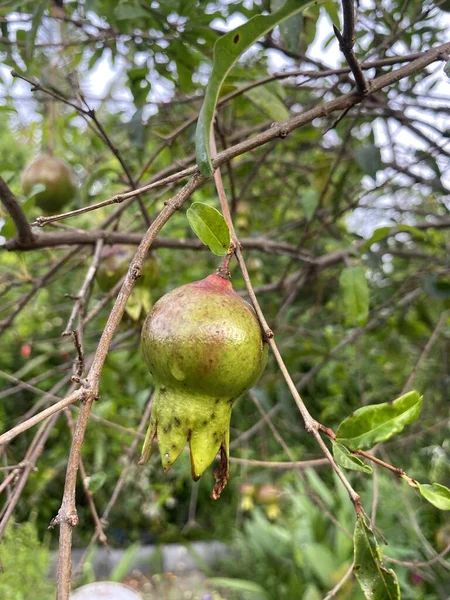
(9, 201)
(346, 43)
(67, 515)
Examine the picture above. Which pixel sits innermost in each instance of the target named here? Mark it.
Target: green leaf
(35, 190)
(437, 287)
(346, 460)
(436, 494)
(227, 50)
(96, 481)
(383, 232)
(376, 423)
(268, 103)
(309, 202)
(125, 564)
(210, 227)
(125, 12)
(369, 159)
(375, 580)
(36, 21)
(140, 300)
(241, 585)
(355, 292)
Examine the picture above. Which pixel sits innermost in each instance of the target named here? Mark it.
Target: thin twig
(281, 130)
(81, 297)
(332, 593)
(434, 336)
(48, 412)
(311, 426)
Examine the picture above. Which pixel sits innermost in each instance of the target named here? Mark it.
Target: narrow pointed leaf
(346, 460)
(376, 423)
(436, 494)
(35, 23)
(210, 227)
(240, 585)
(227, 50)
(375, 580)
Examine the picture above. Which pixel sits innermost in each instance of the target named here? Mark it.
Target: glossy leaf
(355, 295)
(347, 460)
(376, 423)
(375, 580)
(227, 50)
(436, 494)
(210, 227)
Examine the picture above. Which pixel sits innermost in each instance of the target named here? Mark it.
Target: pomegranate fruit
(114, 264)
(58, 178)
(204, 347)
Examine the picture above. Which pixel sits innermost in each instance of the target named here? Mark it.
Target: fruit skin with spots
(204, 347)
(58, 178)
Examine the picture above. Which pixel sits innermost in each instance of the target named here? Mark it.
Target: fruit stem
(224, 270)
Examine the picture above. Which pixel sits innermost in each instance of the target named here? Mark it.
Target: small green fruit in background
(57, 177)
(267, 495)
(204, 347)
(114, 264)
(247, 491)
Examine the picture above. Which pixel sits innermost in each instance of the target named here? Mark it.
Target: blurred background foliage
(325, 188)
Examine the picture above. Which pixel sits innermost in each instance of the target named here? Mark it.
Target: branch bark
(24, 234)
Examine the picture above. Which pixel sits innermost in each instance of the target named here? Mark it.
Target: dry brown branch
(138, 436)
(346, 43)
(67, 516)
(311, 426)
(281, 130)
(9, 201)
(81, 297)
(42, 281)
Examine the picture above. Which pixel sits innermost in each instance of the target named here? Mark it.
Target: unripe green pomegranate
(267, 495)
(204, 347)
(114, 264)
(58, 178)
(247, 491)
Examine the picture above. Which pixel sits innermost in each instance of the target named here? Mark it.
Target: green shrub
(25, 565)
